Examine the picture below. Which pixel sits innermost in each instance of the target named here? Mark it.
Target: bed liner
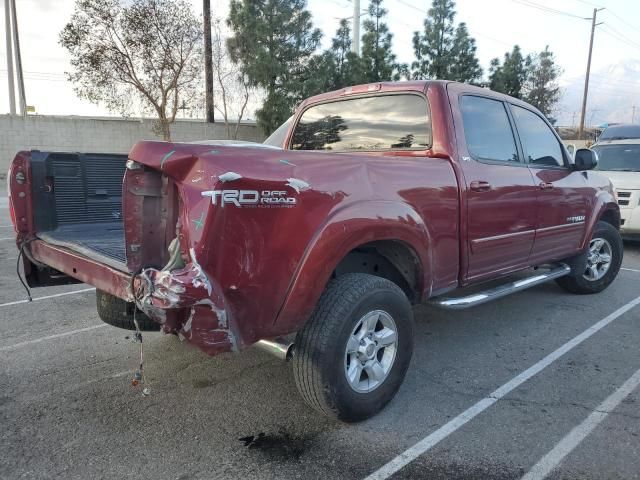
(100, 241)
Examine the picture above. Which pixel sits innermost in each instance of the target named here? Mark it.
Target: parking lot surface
(542, 382)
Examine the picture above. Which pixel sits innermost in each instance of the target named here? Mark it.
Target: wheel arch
(611, 216)
(606, 209)
(391, 259)
(390, 232)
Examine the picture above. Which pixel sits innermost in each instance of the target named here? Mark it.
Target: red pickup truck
(368, 200)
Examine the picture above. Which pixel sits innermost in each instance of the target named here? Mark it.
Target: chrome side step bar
(459, 303)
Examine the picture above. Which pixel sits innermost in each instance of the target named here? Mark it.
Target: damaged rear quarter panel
(255, 255)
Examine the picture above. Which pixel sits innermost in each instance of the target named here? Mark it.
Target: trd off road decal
(251, 198)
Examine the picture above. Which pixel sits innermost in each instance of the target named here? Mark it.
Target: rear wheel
(598, 266)
(352, 355)
(117, 312)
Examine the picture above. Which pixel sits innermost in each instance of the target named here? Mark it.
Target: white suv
(619, 159)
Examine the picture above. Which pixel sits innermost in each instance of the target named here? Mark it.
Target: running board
(459, 303)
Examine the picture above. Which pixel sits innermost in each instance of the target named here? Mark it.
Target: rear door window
(386, 122)
(540, 145)
(487, 129)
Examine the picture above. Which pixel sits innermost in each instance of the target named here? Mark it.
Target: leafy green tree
(320, 75)
(348, 65)
(274, 41)
(541, 88)
(340, 50)
(144, 51)
(433, 46)
(442, 51)
(465, 66)
(510, 76)
(378, 61)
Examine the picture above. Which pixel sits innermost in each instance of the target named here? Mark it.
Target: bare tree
(149, 50)
(232, 87)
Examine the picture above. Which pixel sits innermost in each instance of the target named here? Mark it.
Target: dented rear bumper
(184, 301)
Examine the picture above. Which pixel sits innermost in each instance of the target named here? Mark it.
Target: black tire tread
(334, 305)
(118, 313)
(573, 283)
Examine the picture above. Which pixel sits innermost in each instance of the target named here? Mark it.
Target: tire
(321, 359)
(117, 312)
(582, 279)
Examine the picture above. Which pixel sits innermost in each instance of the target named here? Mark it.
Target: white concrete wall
(99, 135)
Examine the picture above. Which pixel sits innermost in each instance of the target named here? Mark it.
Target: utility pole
(7, 27)
(208, 61)
(355, 41)
(16, 45)
(586, 80)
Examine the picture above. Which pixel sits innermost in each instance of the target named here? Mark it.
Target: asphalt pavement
(541, 383)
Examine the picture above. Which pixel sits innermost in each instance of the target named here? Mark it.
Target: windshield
(618, 158)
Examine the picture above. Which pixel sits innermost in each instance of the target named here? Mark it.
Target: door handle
(480, 186)
(545, 186)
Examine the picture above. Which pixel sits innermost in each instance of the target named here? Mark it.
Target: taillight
(17, 189)
(12, 213)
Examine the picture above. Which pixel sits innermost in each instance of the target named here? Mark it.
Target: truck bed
(80, 207)
(98, 241)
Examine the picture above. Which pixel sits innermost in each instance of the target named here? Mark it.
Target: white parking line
(8, 238)
(447, 429)
(50, 337)
(18, 302)
(565, 446)
(630, 269)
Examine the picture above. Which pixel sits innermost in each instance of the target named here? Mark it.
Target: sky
(496, 25)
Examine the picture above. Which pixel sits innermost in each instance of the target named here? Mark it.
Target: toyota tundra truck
(317, 243)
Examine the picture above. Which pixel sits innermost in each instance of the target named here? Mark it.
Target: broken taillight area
(187, 303)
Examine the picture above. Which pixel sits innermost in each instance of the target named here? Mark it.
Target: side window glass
(540, 145)
(487, 129)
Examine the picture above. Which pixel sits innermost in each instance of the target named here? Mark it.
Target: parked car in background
(620, 132)
(368, 200)
(619, 159)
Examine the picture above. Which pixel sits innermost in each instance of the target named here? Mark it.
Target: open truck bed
(83, 195)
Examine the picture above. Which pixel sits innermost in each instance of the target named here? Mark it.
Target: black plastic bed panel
(106, 240)
(78, 202)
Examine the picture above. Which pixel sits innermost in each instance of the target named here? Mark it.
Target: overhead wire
(544, 8)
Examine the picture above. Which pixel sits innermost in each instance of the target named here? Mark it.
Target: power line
(421, 10)
(623, 21)
(589, 3)
(544, 8)
(619, 37)
(623, 36)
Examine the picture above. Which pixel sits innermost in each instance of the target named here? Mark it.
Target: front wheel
(352, 355)
(595, 269)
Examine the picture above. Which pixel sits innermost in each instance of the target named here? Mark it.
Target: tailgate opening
(77, 202)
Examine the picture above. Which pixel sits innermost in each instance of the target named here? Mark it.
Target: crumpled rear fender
(348, 228)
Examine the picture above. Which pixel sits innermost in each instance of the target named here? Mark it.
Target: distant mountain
(613, 91)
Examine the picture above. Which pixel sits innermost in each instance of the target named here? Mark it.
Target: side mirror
(585, 159)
